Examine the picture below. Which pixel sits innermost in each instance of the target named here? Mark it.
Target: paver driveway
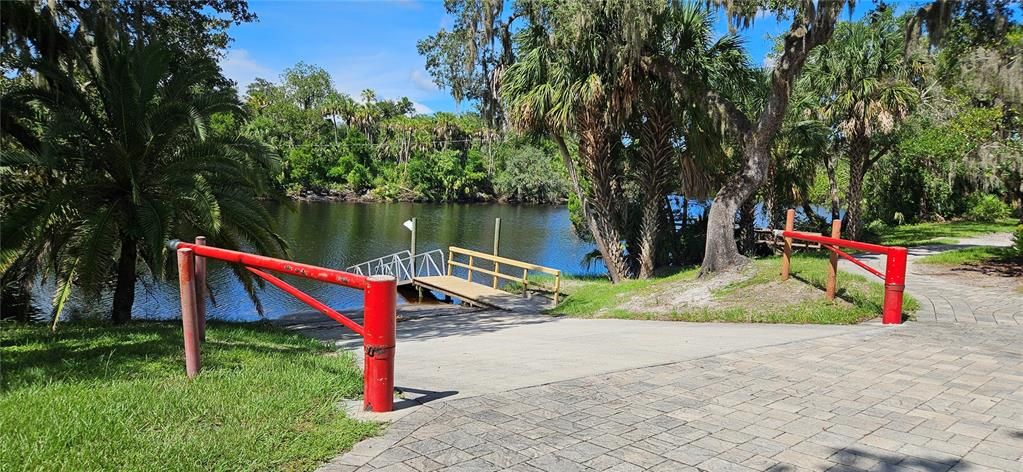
(935, 395)
(924, 396)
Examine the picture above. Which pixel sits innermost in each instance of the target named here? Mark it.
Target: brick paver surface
(963, 299)
(945, 393)
(923, 396)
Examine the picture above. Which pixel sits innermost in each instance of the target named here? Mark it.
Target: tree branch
(721, 109)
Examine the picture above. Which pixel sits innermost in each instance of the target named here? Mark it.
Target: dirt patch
(775, 295)
(685, 294)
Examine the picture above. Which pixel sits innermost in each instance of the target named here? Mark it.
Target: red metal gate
(378, 330)
(894, 274)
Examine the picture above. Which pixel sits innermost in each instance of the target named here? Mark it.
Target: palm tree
(124, 159)
(864, 76)
(546, 92)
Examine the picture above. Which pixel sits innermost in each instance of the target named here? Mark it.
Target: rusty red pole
(786, 257)
(894, 285)
(189, 324)
(200, 289)
(378, 343)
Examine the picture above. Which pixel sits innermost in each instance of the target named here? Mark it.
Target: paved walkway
(450, 351)
(955, 299)
(924, 396)
(612, 395)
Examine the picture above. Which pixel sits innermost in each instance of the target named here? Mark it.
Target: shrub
(986, 208)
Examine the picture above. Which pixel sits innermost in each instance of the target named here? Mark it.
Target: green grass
(941, 233)
(969, 255)
(96, 397)
(758, 299)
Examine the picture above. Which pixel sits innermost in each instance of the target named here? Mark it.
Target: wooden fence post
(832, 287)
(786, 258)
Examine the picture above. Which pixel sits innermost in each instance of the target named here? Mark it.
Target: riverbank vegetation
(753, 295)
(96, 397)
(880, 121)
(119, 130)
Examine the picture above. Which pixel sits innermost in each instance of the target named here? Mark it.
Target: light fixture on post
(410, 224)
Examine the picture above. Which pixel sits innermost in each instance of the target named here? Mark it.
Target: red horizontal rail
(308, 300)
(835, 241)
(297, 269)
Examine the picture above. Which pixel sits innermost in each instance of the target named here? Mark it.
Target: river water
(341, 234)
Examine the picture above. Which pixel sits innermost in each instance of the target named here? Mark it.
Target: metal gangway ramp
(426, 273)
(402, 266)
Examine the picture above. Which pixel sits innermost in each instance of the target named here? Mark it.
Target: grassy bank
(922, 234)
(972, 255)
(756, 297)
(95, 397)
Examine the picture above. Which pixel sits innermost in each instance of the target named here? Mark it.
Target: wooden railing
(498, 261)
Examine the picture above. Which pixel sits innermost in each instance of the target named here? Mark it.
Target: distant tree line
(372, 148)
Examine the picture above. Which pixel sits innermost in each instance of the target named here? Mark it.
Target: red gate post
(378, 343)
(894, 285)
(200, 289)
(189, 324)
(832, 287)
(786, 257)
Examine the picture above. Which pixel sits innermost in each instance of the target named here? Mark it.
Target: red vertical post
(378, 343)
(189, 324)
(786, 257)
(894, 285)
(200, 289)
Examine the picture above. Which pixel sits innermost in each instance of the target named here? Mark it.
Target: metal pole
(412, 261)
(378, 343)
(200, 289)
(894, 285)
(497, 246)
(786, 258)
(832, 287)
(189, 324)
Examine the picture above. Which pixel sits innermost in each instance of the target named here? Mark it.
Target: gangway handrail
(496, 273)
(400, 265)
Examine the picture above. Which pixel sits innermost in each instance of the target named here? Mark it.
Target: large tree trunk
(598, 163)
(599, 238)
(859, 150)
(807, 31)
(124, 291)
(830, 163)
(656, 155)
(721, 252)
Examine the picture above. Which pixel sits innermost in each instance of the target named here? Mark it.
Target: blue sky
(367, 44)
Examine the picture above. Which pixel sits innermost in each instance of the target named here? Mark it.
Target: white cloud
(239, 66)
(391, 76)
(422, 80)
(769, 61)
(422, 109)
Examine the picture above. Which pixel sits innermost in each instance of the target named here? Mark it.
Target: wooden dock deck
(480, 295)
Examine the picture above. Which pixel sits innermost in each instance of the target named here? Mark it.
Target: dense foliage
(904, 115)
(370, 148)
(109, 152)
